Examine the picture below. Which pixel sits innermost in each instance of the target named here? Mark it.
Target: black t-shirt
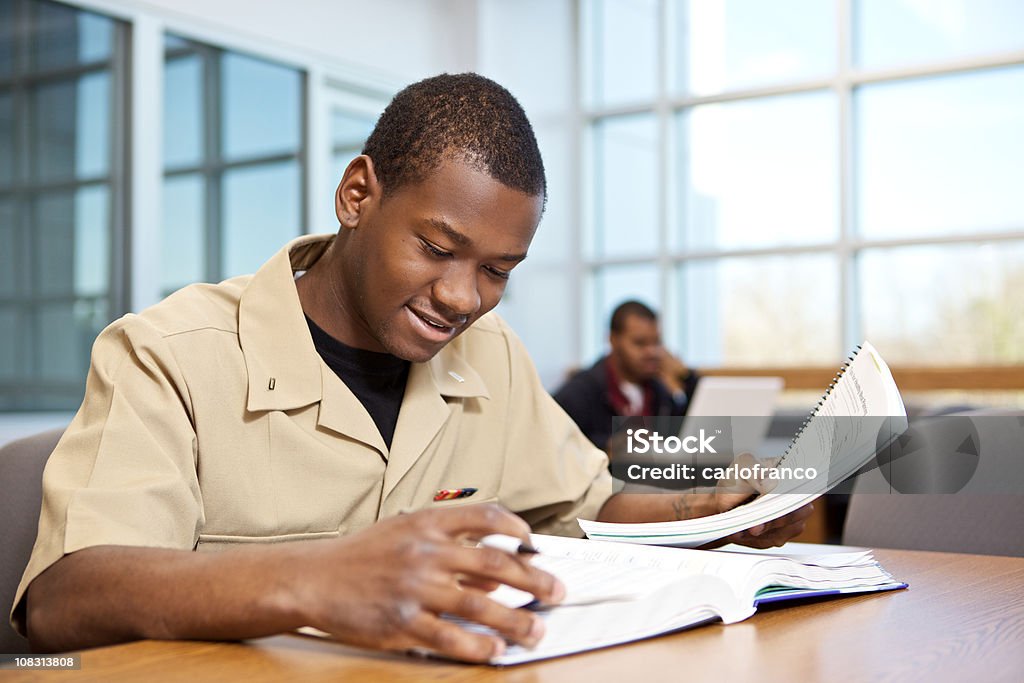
(377, 379)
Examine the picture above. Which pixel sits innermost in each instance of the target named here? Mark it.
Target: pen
(510, 544)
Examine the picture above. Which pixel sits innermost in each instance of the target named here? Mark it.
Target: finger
(478, 521)
(517, 625)
(484, 585)
(491, 564)
(452, 640)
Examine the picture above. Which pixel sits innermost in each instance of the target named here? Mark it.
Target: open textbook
(618, 593)
(860, 413)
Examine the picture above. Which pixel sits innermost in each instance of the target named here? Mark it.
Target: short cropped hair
(455, 116)
(628, 308)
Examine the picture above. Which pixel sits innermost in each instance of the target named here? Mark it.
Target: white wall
(404, 40)
(528, 46)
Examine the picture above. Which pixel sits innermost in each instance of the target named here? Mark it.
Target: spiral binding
(814, 411)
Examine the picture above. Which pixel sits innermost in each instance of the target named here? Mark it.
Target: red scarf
(620, 404)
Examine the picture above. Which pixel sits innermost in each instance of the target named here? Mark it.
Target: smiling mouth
(433, 329)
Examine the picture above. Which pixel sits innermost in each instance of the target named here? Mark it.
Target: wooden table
(962, 619)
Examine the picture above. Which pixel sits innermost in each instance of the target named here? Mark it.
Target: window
(62, 75)
(787, 178)
(234, 149)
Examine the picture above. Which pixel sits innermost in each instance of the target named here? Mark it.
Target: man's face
(426, 262)
(637, 349)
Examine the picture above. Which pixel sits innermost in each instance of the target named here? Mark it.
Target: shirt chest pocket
(289, 481)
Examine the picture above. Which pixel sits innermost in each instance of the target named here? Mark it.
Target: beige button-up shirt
(210, 420)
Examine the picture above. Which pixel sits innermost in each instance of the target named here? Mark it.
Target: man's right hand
(383, 587)
(386, 586)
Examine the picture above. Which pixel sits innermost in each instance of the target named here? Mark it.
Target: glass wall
(233, 149)
(62, 78)
(787, 178)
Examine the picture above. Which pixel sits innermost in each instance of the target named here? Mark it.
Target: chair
(979, 455)
(21, 477)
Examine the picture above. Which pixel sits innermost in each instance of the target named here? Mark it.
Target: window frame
(667, 106)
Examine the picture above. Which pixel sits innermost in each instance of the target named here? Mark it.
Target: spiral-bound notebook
(860, 413)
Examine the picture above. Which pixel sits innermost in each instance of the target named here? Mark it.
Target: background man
(637, 377)
(286, 419)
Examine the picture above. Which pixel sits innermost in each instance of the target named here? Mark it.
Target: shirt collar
(284, 370)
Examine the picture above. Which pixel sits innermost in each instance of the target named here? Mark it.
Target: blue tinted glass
(891, 33)
(941, 155)
(260, 214)
(626, 201)
(72, 128)
(92, 241)
(183, 112)
(261, 108)
(623, 45)
(6, 139)
(10, 257)
(7, 37)
(777, 310)
(173, 42)
(59, 342)
(349, 129)
(760, 173)
(54, 244)
(944, 304)
(731, 44)
(65, 36)
(12, 365)
(183, 252)
(72, 242)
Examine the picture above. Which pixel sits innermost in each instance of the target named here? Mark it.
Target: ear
(358, 188)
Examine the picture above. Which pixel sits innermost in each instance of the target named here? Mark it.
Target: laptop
(751, 399)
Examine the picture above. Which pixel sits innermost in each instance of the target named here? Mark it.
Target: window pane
(760, 173)
(72, 128)
(92, 241)
(901, 32)
(183, 250)
(6, 139)
(12, 366)
(350, 129)
(65, 36)
(936, 305)
(8, 33)
(10, 261)
(73, 243)
(733, 44)
(183, 112)
(613, 285)
(623, 40)
(626, 197)
(261, 108)
(260, 213)
(66, 332)
(777, 310)
(941, 155)
(173, 42)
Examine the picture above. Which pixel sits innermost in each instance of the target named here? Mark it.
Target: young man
(638, 377)
(288, 419)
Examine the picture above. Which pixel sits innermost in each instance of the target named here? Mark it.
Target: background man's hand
(386, 586)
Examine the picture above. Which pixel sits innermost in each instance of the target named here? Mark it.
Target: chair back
(21, 481)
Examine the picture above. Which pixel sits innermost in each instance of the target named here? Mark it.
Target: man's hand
(672, 371)
(386, 586)
(730, 493)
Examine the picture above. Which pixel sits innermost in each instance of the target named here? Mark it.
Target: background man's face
(433, 257)
(637, 349)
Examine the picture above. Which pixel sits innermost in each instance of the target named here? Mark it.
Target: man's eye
(434, 251)
(500, 274)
